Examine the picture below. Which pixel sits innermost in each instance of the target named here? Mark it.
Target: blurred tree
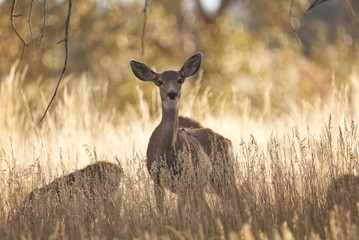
(241, 41)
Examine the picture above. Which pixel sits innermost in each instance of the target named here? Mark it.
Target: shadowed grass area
(289, 170)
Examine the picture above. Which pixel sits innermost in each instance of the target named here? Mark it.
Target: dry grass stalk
(284, 175)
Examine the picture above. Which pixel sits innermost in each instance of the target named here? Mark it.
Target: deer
(99, 178)
(344, 192)
(86, 191)
(187, 161)
(186, 122)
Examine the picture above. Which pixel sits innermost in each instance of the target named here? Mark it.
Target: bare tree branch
(30, 27)
(317, 2)
(44, 24)
(12, 16)
(352, 11)
(66, 56)
(144, 26)
(291, 23)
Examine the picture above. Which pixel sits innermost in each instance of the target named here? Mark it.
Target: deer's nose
(172, 95)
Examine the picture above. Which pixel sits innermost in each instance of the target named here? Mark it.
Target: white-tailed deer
(185, 161)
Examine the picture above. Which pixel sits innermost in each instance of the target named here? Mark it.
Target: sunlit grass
(284, 163)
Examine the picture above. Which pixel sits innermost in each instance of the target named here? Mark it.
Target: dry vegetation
(290, 111)
(284, 167)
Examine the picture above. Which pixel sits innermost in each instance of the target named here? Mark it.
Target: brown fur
(344, 192)
(185, 160)
(186, 122)
(82, 194)
(100, 177)
(75, 201)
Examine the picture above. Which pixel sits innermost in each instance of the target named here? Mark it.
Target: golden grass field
(284, 164)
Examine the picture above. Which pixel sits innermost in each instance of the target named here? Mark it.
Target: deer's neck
(169, 125)
(164, 137)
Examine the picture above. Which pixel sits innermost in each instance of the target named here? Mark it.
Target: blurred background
(251, 52)
(284, 89)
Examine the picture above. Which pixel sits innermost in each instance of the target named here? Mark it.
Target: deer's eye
(180, 81)
(159, 83)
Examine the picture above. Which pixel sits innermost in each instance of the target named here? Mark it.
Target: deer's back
(344, 192)
(186, 122)
(215, 145)
(101, 177)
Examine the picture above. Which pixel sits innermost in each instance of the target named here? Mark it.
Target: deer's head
(169, 82)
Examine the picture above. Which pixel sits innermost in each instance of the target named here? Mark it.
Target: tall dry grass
(284, 165)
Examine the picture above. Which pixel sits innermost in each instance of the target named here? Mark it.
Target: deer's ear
(143, 72)
(191, 66)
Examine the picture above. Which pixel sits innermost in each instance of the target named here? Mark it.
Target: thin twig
(12, 16)
(291, 24)
(314, 4)
(352, 11)
(317, 2)
(30, 27)
(144, 26)
(43, 24)
(65, 63)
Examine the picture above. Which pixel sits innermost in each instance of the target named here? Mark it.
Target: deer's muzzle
(172, 95)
